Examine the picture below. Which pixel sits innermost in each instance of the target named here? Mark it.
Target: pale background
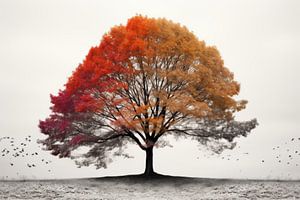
(42, 42)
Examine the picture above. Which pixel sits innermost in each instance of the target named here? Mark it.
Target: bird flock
(283, 154)
(284, 157)
(15, 149)
(292, 154)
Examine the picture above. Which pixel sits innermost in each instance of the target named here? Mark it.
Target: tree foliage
(145, 80)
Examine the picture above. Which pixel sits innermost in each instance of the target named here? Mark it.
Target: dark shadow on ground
(161, 179)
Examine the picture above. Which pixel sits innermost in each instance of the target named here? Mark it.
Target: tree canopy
(147, 79)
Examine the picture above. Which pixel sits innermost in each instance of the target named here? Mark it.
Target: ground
(160, 187)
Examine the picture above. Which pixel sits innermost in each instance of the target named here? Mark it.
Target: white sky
(42, 42)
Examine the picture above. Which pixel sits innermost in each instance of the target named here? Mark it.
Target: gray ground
(157, 188)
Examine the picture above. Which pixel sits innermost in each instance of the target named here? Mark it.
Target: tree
(144, 81)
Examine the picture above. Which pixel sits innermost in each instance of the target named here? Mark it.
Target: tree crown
(144, 80)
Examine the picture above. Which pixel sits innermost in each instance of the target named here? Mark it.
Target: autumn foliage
(145, 80)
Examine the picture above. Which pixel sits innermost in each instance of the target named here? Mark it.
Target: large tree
(144, 81)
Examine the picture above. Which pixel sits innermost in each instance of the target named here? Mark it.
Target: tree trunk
(149, 162)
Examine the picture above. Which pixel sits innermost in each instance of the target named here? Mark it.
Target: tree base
(151, 175)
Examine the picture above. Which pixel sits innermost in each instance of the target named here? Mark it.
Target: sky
(42, 42)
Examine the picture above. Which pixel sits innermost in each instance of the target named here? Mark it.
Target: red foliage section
(62, 103)
(94, 87)
(56, 126)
